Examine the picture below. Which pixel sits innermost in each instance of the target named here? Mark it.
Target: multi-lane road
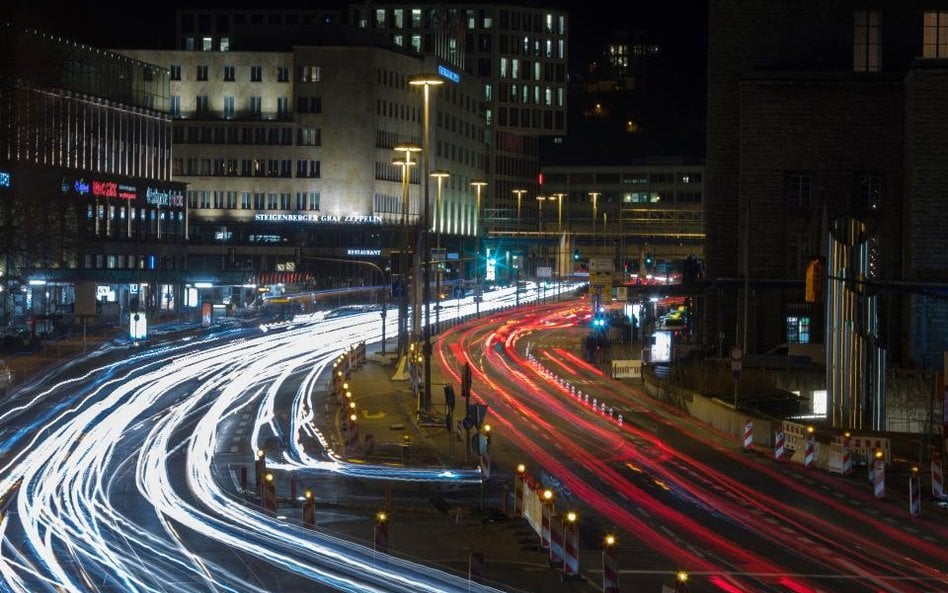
(678, 494)
(115, 472)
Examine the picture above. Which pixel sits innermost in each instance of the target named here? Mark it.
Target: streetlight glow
(426, 81)
(521, 468)
(519, 193)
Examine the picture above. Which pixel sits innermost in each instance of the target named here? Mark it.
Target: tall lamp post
(407, 148)
(519, 193)
(426, 81)
(478, 186)
(440, 176)
(540, 200)
(594, 196)
(559, 211)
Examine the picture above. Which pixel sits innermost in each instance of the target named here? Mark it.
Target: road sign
(736, 370)
(737, 353)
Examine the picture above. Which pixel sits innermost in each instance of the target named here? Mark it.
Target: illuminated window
(797, 329)
(225, 44)
(380, 17)
(416, 43)
(415, 18)
(398, 18)
(207, 43)
(867, 49)
(935, 35)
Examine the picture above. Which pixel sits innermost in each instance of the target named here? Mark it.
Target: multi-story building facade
(521, 55)
(829, 146)
(289, 154)
(91, 223)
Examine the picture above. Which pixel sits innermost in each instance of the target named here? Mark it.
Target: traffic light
(576, 254)
(649, 260)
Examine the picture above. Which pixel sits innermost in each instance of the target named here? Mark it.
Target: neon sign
(449, 74)
(364, 252)
(164, 197)
(4, 179)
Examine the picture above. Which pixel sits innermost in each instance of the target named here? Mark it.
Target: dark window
(799, 190)
(869, 192)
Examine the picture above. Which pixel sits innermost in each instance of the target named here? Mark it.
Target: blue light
(449, 74)
(4, 179)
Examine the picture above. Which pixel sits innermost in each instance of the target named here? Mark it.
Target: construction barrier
(835, 463)
(938, 485)
(547, 512)
(915, 495)
(610, 570)
(556, 542)
(808, 454)
(475, 567)
(518, 495)
(878, 478)
(749, 435)
(794, 435)
(779, 450)
(570, 549)
(865, 447)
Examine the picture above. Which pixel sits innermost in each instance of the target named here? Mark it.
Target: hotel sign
(317, 218)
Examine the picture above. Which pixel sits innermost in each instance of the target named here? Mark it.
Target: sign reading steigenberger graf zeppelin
(318, 218)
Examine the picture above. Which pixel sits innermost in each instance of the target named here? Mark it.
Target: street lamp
(407, 148)
(559, 211)
(594, 195)
(440, 176)
(519, 193)
(478, 186)
(426, 81)
(540, 200)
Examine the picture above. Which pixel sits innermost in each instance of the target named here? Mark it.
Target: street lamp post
(559, 211)
(540, 200)
(408, 148)
(519, 193)
(594, 195)
(440, 176)
(478, 186)
(426, 81)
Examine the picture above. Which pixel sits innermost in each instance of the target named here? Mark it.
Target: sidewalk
(457, 522)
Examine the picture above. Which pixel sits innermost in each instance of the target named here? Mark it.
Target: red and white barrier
(475, 567)
(808, 453)
(547, 514)
(556, 542)
(570, 549)
(610, 570)
(779, 450)
(749, 435)
(878, 478)
(915, 495)
(938, 485)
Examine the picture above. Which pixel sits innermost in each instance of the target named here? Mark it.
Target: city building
(829, 145)
(288, 152)
(92, 226)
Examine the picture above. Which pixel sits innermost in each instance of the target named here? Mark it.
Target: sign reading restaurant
(317, 218)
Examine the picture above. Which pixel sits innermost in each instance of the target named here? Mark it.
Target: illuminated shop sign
(164, 197)
(317, 218)
(4, 179)
(449, 74)
(266, 239)
(104, 189)
(364, 252)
